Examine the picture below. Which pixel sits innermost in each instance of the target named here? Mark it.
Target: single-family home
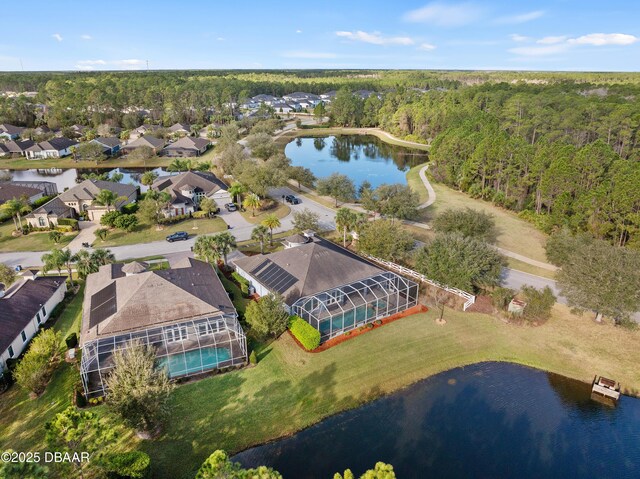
(187, 190)
(328, 286)
(110, 144)
(79, 199)
(186, 146)
(19, 147)
(48, 188)
(300, 95)
(156, 144)
(282, 107)
(10, 132)
(183, 313)
(24, 307)
(4, 150)
(53, 148)
(262, 98)
(142, 130)
(10, 190)
(180, 129)
(78, 130)
(329, 96)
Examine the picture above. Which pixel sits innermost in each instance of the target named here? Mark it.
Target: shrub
(109, 218)
(41, 201)
(378, 322)
(80, 399)
(200, 214)
(71, 340)
(306, 334)
(127, 465)
(173, 219)
(126, 222)
(253, 357)
(64, 228)
(244, 284)
(501, 297)
(130, 208)
(68, 222)
(33, 371)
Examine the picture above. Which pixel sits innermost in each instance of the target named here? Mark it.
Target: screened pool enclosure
(182, 349)
(347, 307)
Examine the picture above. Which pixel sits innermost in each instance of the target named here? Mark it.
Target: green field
(279, 209)
(146, 232)
(37, 241)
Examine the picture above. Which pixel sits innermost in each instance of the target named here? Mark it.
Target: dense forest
(563, 149)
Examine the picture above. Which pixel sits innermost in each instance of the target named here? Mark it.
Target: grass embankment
(514, 234)
(290, 389)
(36, 241)
(314, 131)
(279, 209)
(147, 232)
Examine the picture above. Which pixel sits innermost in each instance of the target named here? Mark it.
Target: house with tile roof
(156, 144)
(183, 313)
(110, 144)
(188, 189)
(187, 146)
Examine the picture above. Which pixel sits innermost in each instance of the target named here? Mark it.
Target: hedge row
(306, 334)
(68, 222)
(244, 284)
(174, 219)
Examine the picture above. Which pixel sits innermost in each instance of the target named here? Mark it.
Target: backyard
(290, 389)
(147, 232)
(36, 241)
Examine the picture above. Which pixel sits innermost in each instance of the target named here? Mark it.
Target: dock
(604, 390)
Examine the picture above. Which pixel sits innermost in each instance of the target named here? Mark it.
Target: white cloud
(600, 39)
(534, 51)
(92, 62)
(129, 64)
(86, 37)
(375, 38)
(57, 36)
(427, 47)
(552, 40)
(306, 54)
(519, 18)
(519, 38)
(443, 15)
(221, 39)
(298, 31)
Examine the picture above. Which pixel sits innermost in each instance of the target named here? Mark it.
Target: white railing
(468, 297)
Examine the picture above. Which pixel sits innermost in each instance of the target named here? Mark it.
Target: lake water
(66, 178)
(490, 420)
(360, 157)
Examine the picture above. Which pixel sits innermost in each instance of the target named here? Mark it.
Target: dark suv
(178, 236)
(292, 199)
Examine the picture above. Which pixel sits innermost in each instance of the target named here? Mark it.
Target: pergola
(183, 349)
(349, 306)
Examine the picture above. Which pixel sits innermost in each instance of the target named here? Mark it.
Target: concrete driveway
(327, 215)
(86, 235)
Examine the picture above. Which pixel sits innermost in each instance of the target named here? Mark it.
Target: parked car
(231, 207)
(292, 200)
(178, 236)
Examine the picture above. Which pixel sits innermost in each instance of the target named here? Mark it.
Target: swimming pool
(190, 361)
(351, 318)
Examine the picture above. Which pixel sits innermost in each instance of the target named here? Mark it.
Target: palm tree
(58, 259)
(101, 256)
(108, 198)
(252, 202)
(55, 236)
(224, 243)
(271, 221)
(205, 247)
(16, 207)
(148, 177)
(84, 265)
(235, 190)
(260, 233)
(101, 233)
(345, 219)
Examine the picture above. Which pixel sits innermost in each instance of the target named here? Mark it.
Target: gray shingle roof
(116, 303)
(206, 182)
(150, 141)
(189, 143)
(314, 267)
(17, 310)
(55, 207)
(89, 189)
(9, 191)
(57, 144)
(11, 129)
(108, 141)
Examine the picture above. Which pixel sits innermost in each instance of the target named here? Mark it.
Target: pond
(489, 420)
(66, 178)
(360, 157)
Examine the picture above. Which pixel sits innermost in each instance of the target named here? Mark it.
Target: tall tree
(337, 186)
(58, 259)
(267, 316)
(16, 207)
(271, 221)
(345, 220)
(252, 202)
(260, 234)
(205, 247)
(224, 243)
(383, 239)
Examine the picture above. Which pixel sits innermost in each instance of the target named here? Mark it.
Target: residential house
(299, 95)
(328, 286)
(24, 307)
(19, 147)
(110, 144)
(156, 144)
(184, 314)
(10, 190)
(142, 130)
(10, 132)
(180, 129)
(187, 190)
(4, 150)
(282, 107)
(329, 96)
(48, 188)
(53, 148)
(186, 146)
(80, 199)
(267, 99)
(78, 130)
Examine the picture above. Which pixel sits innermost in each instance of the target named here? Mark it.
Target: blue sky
(542, 35)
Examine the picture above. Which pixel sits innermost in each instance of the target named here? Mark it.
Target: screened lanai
(346, 307)
(183, 349)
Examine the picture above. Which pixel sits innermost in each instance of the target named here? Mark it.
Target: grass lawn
(290, 389)
(146, 232)
(531, 269)
(313, 131)
(514, 234)
(32, 242)
(279, 209)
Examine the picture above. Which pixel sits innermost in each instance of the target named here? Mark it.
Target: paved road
(240, 228)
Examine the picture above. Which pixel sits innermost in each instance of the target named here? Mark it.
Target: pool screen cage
(347, 307)
(183, 349)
